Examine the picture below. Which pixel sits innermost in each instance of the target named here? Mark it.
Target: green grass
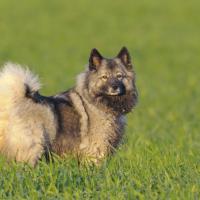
(160, 157)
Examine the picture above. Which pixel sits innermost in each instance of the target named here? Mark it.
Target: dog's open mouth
(110, 94)
(115, 94)
(118, 92)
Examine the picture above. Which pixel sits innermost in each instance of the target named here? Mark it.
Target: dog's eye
(104, 77)
(119, 76)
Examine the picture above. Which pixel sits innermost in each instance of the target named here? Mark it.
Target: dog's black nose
(119, 89)
(115, 87)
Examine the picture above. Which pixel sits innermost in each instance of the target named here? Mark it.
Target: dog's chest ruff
(100, 131)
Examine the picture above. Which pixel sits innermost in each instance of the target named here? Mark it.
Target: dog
(87, 120)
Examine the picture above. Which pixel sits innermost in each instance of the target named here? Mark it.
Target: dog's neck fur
(100, 131)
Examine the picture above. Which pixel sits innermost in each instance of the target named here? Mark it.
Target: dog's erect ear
(95, 59)
(124, 56)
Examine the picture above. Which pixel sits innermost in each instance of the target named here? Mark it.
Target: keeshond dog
(87, 120)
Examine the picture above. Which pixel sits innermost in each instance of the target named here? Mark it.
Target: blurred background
(54, 39)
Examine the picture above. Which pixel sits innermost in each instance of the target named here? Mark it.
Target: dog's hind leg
(24, 140)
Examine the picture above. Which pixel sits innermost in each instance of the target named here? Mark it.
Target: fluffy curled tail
(24, 124)
(15, 84)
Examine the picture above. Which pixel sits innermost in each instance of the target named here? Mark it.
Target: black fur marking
(68, 121)
(119, 104)
(52, 102)
(68, 135)
(68, 138)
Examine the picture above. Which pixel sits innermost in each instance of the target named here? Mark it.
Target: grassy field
(160, 157)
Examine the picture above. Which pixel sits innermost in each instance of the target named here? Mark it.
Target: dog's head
(111, 82)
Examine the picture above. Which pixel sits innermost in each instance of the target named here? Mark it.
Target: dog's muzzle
(116, 88)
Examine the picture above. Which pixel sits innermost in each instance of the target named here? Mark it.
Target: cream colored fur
(78, 104)
(24, 125)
